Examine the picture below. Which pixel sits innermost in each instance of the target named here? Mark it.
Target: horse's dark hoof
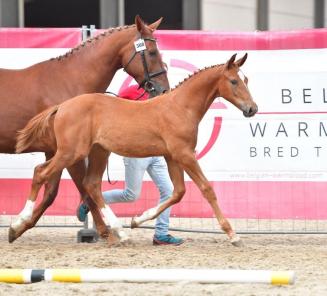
(238, 244)
(11, 235)
(104, 235)
(134, 223)
(236, 241)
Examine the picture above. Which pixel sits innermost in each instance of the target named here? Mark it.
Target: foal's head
(233, 86)
(142, 59)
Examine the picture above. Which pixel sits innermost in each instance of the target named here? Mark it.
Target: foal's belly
(135, 147)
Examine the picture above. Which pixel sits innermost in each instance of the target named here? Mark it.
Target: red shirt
(133, 93)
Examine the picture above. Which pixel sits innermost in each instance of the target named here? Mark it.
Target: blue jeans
(134, 172)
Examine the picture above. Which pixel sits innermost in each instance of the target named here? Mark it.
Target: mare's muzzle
(153, 88)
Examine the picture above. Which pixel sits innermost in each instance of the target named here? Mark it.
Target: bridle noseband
(147, 82)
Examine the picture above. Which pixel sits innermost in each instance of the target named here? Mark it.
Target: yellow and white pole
(138, 275)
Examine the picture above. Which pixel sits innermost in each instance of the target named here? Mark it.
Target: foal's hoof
(236, 241)
(117, 237)
(113, 240)
(11, 235)
(134, 224)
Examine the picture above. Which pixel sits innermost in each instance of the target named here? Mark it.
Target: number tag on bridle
(139, 45)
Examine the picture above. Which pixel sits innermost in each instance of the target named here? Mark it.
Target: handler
(134, 172)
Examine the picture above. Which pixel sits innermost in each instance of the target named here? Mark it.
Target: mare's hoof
(236, 241)
(134, 224)
(11, 235)
(105, 234)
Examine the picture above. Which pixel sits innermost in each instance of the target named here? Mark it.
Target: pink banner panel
(241, 199)
(39, 38)
(272, 40)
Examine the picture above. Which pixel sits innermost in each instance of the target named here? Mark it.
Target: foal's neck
(197, 93)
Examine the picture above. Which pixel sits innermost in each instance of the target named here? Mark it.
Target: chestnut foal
(93, 125)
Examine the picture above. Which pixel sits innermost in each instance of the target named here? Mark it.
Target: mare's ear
(229, 64)
(139, 23)
(241, 61)
(155, 25)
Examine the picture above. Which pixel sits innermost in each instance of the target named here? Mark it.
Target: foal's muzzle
(249, 111)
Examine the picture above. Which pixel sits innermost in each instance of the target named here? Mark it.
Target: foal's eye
(233, 81)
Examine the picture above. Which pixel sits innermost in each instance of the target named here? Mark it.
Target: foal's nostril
(253, 110)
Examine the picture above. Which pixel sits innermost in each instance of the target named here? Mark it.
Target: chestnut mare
(93, 125)
(87, 68)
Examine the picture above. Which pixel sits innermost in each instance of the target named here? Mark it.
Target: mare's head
(142, 59)
(233, 86)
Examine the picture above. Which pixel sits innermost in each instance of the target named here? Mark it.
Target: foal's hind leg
(92, 183)
(22, 223)
(50, 192)
(42, 174)
(78, 172)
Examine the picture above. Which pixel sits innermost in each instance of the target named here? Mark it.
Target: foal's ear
(155, 25)
(139, 23)
(241, 61)
(229, 64)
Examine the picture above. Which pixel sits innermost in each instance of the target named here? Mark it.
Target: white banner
(286, 140)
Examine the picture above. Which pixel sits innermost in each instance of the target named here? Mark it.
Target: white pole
(142, 275)
(172, 275)
(189, 275)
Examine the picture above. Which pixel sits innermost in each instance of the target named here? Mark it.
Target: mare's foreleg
(92, 184)
(78, 172)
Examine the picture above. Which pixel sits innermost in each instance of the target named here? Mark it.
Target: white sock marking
(110, 217)
(25, 214)
(147, 215)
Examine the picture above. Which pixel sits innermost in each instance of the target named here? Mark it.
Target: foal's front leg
(192, 168)
(189, 163)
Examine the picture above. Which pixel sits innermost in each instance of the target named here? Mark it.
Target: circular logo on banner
(180, 64)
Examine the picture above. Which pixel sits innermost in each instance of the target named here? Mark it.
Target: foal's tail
(35, 129)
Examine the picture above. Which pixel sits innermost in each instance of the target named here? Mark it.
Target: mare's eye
(233, 81)
(153, 53)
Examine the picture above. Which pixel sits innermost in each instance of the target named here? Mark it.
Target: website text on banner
(271, 166)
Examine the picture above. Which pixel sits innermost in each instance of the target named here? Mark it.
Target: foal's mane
(93, 40)
(195, 73)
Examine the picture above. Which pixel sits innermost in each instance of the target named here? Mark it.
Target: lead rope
(111, 183)
(111, 93)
